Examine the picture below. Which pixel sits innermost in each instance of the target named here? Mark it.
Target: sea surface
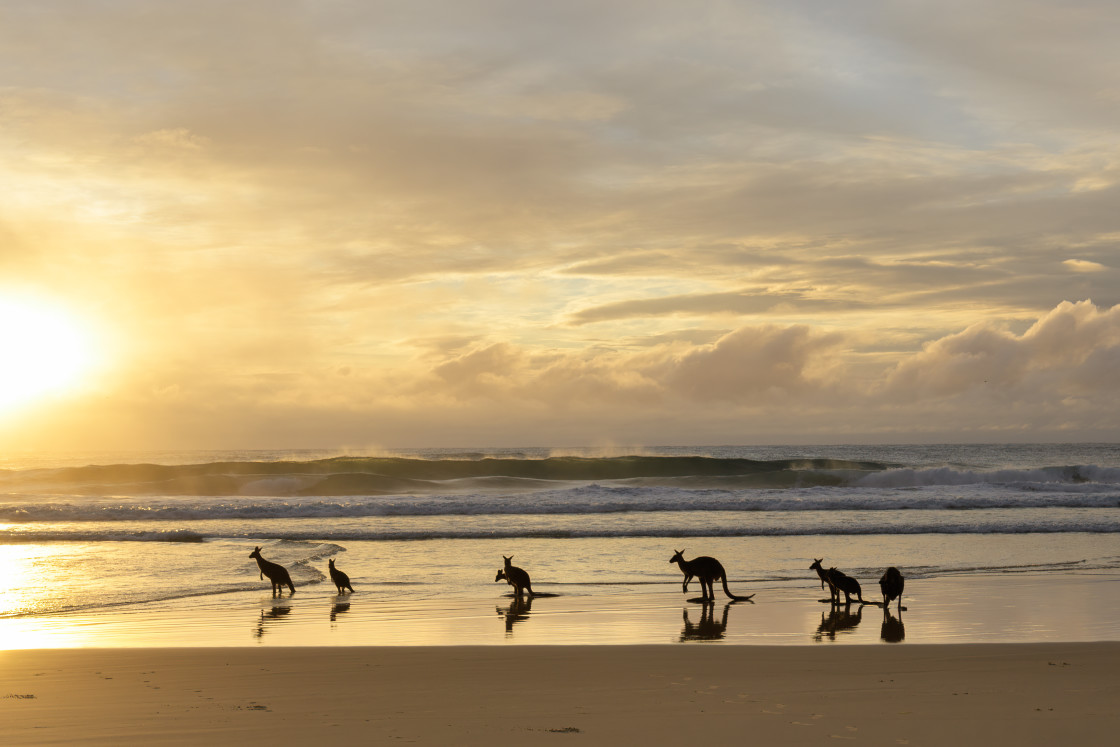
(86, 532)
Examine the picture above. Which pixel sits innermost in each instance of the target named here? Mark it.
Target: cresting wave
(395, 476)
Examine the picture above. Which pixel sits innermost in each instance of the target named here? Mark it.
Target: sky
(374, 224)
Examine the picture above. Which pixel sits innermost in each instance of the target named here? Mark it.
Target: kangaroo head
(256, 553)
(677, 555)
(501, 574)
(816, 566)
(330, 563)
(507, 559)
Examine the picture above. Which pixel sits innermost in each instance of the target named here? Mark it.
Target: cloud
(1053, 350)
(1082, 265)
(589, 213)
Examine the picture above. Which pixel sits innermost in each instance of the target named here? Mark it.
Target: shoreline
(1041, 693)
(976, 608)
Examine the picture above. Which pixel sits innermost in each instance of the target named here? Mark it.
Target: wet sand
(1019, 608)
(1033, 694)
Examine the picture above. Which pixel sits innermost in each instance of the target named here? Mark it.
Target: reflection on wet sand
(707, 629)
(269, 618)
(517, 611)
(338, 608)
(893, 631)
(839, 620)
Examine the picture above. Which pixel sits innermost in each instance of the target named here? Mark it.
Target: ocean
(85, 532)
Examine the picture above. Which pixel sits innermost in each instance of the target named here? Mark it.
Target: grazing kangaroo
(843, 583)
(891, 584)
(833, 595)
(707, 570)
(276, 573)
(340, 579)
(516, 577)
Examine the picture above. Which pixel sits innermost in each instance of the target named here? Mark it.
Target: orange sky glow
(392, 224)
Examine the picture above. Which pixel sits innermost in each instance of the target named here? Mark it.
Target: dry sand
(1021, 694)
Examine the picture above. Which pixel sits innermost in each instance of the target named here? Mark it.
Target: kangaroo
(891, 584)
(276, 573)
(707, 570)
(833, 594)
(844, 583)
(341, 580)
(516, 577)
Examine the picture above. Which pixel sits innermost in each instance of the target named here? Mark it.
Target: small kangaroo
(891, 585)
(844, 583)
(276, 573)
(707, 570)
(833, 595)
(340, 579)
(515, 577)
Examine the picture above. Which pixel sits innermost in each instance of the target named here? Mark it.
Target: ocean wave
(1043, 476)
(1003, 525)
(397, 476)
(589, 499)
(384, 475)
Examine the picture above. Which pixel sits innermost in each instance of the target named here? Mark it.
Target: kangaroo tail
(733, 596)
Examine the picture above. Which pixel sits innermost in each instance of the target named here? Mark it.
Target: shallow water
(87, 540)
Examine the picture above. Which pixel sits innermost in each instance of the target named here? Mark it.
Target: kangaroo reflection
(270, 618)
(893, 630)
(338, 608)
(707, 629)
(517, 611)
(838, 620)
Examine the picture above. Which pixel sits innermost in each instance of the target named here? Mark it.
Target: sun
(43, 351)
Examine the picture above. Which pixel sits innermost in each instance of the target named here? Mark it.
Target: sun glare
(42, 351)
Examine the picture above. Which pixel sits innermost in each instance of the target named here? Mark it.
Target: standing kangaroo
(891, 585)
(844, 583)
(833, 595)
(276, 573)
(516, 577)
(340, 579)
(706, 570)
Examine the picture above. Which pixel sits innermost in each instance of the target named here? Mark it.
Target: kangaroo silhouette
(891, 585)
(276, 573)
(340, 579)
(516, 577)
(707, 570)
(833, 595)
(843, 583)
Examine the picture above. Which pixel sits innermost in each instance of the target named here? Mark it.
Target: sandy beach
(917, 695)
